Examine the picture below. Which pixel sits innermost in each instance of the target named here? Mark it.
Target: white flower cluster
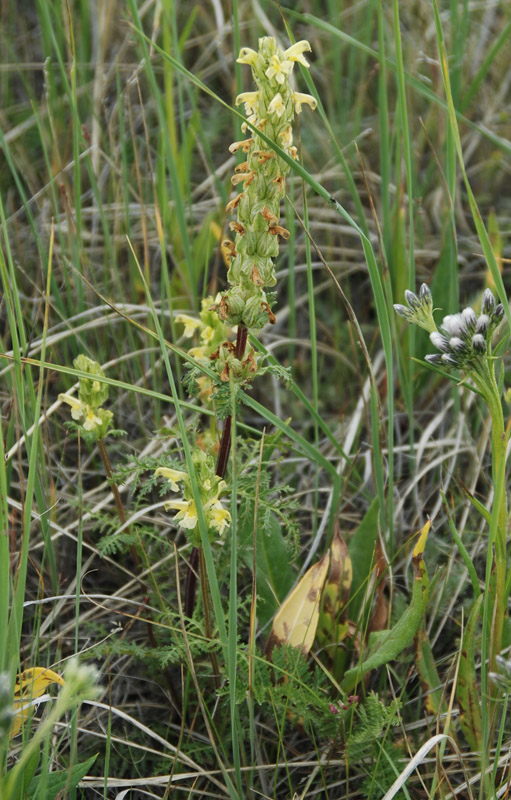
(466, 337)
(463, 338)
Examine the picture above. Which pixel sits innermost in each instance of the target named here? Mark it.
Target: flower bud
(479, 343)
(498, 313)
(454, 325)
(440, 342)
(433, 358)
(425, 296)
(488, 304)
(412, 300)
(483, 324)
(449, 359)
(469, 317)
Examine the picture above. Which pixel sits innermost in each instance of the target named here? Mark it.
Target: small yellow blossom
(77, 407)
(249, 99)
(247, 56)
(172, 475)
(277, 105)
(286, 136)
(300, 98)
(207, 334)
(219, 517)
(187, 512)
(252, 119)
(198, 352)
(279, 69)
(82, 412)
(295, 52)
(190, 324)
(91, 420)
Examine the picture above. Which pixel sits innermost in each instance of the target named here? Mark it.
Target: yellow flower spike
(247, 56)
(174, 476)
(300, 98)
(295, 52)
(277, 106)
(32, 683)
(191, 324)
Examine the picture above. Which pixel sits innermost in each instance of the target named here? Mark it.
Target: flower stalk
(271, 109)
(464, 342)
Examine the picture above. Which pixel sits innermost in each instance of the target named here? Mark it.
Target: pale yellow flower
(286, 136)
(207, 334)
(252, 118)
(295, 52)
(172, 475)
(77, 407)
(187, 512)
(91, 419)
(191, 324)
(250, 100)
(198, 352)
(279, 70)
(277, 105)
(247, 56)
(85, 415)
(300, 98)
(219, 517)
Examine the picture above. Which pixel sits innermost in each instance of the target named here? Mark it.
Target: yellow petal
(172, 475)
(250, 100)
(247, 56)
(300, 98)
(277, 105)
(191, 324)
(74, 402)
(295, 52)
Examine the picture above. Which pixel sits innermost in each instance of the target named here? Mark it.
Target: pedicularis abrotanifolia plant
(245, 306)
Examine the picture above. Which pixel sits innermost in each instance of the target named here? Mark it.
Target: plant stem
(221, 469)
(117, 497)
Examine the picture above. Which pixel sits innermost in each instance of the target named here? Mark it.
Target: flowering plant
(270, 109)
(216, 516)
(86, 409)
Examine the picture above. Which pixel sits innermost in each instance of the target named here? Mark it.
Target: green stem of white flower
(486, 383)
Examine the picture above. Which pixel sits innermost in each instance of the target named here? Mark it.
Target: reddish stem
(191, 581)
(221, 469)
